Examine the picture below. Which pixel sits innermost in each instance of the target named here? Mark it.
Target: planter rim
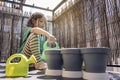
(52, 52)
(95, 50)
(70, 51)
(68, 48)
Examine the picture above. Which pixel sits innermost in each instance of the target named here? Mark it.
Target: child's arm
(43, 32)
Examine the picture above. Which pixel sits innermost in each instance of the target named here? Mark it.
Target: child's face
(41, 22)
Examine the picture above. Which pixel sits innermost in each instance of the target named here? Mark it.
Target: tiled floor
(33, 75)
(39, 75)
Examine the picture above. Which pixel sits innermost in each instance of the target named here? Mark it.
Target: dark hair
(34, 17)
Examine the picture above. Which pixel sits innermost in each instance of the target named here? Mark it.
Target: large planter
(95, 60)
(72, 60)
(54, 62)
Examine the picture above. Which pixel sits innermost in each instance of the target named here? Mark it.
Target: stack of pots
(72, 59)
(67, 63)
(95, 60)
(55, 63)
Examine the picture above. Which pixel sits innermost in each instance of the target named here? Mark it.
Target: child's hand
(52, 38)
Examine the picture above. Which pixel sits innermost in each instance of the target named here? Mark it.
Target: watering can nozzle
(32, 59)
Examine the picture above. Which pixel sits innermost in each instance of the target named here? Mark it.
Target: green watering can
(14, 69)
(46, 47)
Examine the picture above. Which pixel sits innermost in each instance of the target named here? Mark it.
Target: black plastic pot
(72, 59)
(95, 59)
(54, 59)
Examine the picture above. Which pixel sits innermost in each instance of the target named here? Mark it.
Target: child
(33, 38)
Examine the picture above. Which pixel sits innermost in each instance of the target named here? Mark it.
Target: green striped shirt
(32, 47)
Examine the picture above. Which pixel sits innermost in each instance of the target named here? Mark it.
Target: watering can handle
(14, 56)
(45, 45)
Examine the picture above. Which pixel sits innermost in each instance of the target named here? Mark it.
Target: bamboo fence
(12, 26)
(90, 23)
(10, 34)
(81, 23)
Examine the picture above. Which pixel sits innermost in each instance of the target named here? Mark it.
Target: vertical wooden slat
(91, 23)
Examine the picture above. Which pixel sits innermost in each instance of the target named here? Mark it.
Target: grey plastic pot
(54, 59)
(95, 59)
(72, 59)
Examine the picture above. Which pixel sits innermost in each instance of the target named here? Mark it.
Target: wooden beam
(23, 1)
(63, 1)
(27, 5)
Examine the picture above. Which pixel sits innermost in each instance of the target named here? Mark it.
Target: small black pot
(72, 59)
(95, 59)
(54, 59)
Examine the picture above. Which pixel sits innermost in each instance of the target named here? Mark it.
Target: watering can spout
(32, 59)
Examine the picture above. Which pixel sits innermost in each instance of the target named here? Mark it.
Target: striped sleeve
(35, 46)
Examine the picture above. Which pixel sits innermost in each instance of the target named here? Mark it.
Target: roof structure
(33, 5)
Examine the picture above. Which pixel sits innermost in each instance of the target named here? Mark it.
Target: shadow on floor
(38, 72)
(2, 67)
(14, 77)
(58, 78)
(3, 72)
(114, 76)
